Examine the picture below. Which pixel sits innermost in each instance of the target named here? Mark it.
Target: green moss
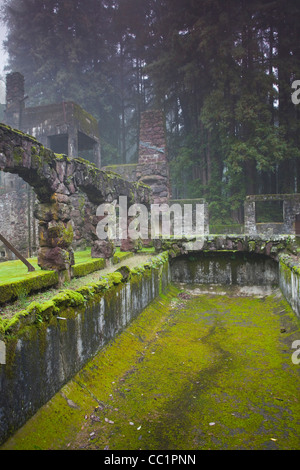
(68, 298)
(88, 123)
(82, 269)
(115, 277)
(34, 281)
(18, 155)
(252, 246)
(5, 128)
(121, 256)
(212, 372)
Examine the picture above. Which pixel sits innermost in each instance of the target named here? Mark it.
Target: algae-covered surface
(194, 371)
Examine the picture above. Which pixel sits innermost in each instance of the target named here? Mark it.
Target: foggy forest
(223, 72)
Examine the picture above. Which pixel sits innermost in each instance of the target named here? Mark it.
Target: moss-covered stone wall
(49, 343)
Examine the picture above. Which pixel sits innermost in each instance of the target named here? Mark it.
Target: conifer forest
(226, 73)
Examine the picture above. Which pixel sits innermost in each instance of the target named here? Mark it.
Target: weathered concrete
(241, 269)
(193, 371)
(64, 127)
(289, 281)
(46, 347)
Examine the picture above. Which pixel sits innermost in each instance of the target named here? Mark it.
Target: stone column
(102, 243)
(55, 235)
(129, 244)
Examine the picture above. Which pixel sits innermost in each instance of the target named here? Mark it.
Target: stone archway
(55, 179)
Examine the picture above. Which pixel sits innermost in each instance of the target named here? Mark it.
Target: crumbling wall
(291, 208)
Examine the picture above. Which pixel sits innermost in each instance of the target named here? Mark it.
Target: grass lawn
(15, 270)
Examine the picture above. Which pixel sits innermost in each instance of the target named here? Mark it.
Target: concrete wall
(290, 208)
(42, 356)
(242, 269)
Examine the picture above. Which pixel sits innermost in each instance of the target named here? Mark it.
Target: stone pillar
(129, 244)
(55, 235)
(153, 167)
(102, 243)
(250, 217)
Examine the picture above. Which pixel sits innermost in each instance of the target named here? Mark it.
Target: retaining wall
(52, 342)
(47, 346)
(227, 268)
(289, 281)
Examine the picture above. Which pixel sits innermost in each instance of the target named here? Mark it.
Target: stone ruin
(56, 180)
(65, 128)
(288, 205)
(70, 132)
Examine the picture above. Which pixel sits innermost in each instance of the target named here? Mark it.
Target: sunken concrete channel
(43, 356)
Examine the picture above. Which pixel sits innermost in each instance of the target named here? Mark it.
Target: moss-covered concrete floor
(194, 371)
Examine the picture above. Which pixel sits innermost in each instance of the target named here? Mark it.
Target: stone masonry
(291, 209)
(55, 180)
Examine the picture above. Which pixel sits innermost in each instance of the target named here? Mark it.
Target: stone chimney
(153, 167)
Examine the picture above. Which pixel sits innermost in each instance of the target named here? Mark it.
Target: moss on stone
(208, 373)
(82, 269)
(34, 281)
(68, 298)
(121, 256)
